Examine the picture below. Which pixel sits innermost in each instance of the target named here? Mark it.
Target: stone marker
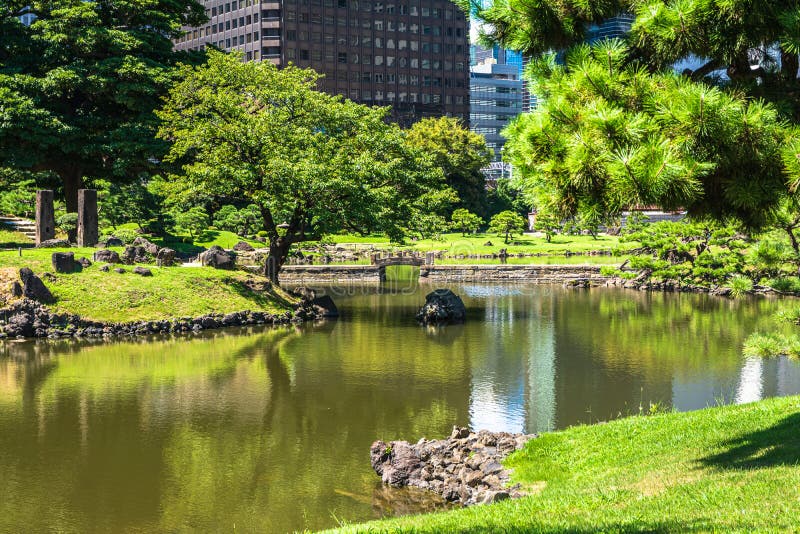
(45, 216)
(87, 218)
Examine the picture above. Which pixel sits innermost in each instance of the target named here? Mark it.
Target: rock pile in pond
(464, 468)
(442, 306)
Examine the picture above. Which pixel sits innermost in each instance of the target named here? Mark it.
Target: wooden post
(87, 218)
(45, 216)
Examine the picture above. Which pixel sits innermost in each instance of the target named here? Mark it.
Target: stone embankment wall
(541, 274)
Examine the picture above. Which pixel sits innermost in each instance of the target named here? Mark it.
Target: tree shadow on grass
(263, 298)
(773, 446)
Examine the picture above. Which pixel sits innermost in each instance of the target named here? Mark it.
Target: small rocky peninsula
(463, 468)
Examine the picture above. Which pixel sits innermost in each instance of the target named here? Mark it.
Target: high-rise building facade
(496, 97)
(395, 53)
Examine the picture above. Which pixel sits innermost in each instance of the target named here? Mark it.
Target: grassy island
(731, 468)
(170, 292)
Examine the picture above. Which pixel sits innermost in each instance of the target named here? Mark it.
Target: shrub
(739, 286)
(785, 284)
(771, 344)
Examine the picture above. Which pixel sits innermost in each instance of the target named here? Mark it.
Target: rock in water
(442, 306)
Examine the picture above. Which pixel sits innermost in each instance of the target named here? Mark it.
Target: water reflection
(268, 430)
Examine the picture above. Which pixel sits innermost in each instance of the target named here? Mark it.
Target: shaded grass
(11, 239)
(170, 292)
(732, 468)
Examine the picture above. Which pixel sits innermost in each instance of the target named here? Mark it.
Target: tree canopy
(313, 163)
(460, 153)
(616, 126)
(79, 86)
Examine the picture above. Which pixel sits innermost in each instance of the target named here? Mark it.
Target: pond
(269, 430)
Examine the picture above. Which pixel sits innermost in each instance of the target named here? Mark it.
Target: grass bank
(732, 468)
(170, 292)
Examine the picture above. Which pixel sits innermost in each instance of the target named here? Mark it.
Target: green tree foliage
(136, 202)
(610, 135)
(312, 163)
(243, 221)
(547, 223)
(194, 220)
(78, 87)
(461, 154)
(465, 221)
(619, 128)
(507, 223)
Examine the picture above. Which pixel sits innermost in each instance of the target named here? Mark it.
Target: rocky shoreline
(27, 318)
(464, 468)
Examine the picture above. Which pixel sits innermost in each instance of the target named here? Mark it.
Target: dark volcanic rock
(465, 467)
(63, 262)
(218, 258)
(135, 254)
(108, 256)
(150, 248)
(84, 262)
(120, 270)
(112, 242)
(325, 307)
(243, 246)
(104, 268)
(142, 271)
(16, 289)
(54, 243)
(33, 287)
(165, 257)
(442, 306)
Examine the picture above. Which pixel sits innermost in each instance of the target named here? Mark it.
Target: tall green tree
(313, 163)
(460, 154)
(79, 86)
(617, 127)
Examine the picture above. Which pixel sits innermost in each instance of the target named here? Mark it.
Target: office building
(390, 52)
(496, 97)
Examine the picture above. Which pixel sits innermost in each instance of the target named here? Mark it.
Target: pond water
(268, 430)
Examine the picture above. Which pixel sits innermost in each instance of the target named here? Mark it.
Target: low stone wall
(540, 274)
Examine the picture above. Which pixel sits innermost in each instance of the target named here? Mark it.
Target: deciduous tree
(313, 163)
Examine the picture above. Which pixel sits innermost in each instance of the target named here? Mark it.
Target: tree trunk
(793, 239)
(278, 251)
(789, 65)
(73, 180)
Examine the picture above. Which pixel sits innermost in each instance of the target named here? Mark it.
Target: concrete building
(496, 97)
(395, 53)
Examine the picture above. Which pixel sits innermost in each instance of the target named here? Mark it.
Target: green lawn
(455, 243)
(170, 292)
(733, 468)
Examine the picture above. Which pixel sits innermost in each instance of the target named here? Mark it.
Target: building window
(342, 57)
(304, 55)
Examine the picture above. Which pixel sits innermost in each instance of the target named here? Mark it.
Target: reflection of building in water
(541, 370)
(758, 379)
(513, 386)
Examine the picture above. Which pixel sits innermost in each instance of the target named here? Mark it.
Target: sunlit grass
(733, 468)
